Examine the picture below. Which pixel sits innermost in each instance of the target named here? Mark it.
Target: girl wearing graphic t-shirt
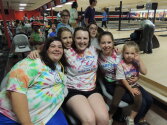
(84, 100)
(81, 79)
(130, 66)
(108, 61)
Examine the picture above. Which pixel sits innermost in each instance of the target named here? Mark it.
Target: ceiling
(127, 4)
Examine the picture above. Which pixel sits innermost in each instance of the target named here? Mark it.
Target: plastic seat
(119, 115)
(122, 104)
(3, 83)
(21, 43)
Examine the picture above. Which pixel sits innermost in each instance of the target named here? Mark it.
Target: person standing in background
(89, 16)
(104, 18)
(28, 28)
(73, 15)
(32, 19)
(19, 27)
(148, 32)
(37, 38)
(25, 17)
(65, 16)
(53, 31)
(37, 18)
(58, 18)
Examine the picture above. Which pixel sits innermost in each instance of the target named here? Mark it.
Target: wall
(18, 15)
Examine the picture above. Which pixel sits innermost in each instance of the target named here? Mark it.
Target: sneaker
(143, 122)
(130, 121)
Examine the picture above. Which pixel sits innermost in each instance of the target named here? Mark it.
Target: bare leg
(79, 105)
(100, 109)
(133, 114)
(135, 108)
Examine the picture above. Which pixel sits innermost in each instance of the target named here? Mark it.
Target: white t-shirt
(73, 15)
(108, 65)
(94, 42)
(125, 71)
(81, 74)
(146, 22)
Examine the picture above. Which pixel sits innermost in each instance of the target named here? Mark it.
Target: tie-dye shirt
(81, 74)
(108, 65)
(44, 88)
(125, 71)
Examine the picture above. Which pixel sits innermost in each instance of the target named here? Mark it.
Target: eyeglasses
(92, 28)
(64, 15)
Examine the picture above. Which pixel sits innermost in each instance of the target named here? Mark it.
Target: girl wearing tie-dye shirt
(130, 66)
(35, 89)
(83, 99)
(108, 62)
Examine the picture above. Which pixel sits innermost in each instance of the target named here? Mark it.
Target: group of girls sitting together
(69, 62)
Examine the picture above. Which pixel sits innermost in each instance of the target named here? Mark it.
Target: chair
(28, 29)
(122, 104)
(3, 83)
(21, 44)
(121, 113)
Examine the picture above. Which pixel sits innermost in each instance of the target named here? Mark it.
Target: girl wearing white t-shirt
(108, 61)
(83, 99)
(130, 66)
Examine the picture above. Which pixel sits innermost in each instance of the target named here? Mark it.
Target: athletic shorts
(73, 92)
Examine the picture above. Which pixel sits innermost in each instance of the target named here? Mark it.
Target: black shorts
(110, 86)
(73, 92)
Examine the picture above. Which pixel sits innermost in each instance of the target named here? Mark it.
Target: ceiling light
(59, 5)
(48, 9)
(68, 3)
(23, 4)
(21, 8)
